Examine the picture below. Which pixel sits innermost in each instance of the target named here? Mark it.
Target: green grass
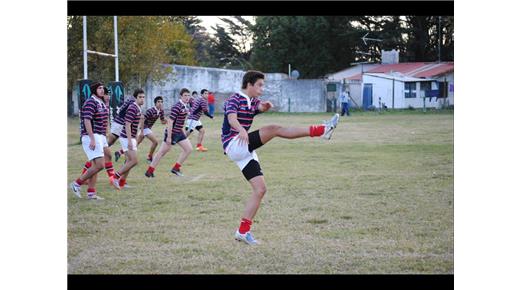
(377, 198)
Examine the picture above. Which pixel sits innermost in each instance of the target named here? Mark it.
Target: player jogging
(199, 106)
(174, 134)
(94, 122)
(128, 139)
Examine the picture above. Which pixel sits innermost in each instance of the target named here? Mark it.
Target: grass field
(377, 198)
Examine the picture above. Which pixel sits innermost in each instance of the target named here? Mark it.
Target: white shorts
(101, 142)
(240, 153)
(116, 128)
(192, 124)
(124, 144)
(147, 131)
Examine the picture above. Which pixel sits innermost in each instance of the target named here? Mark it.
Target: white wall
(382, 87)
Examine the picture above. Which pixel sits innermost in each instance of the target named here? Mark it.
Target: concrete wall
(305, 95)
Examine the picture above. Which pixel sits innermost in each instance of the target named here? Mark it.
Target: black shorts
(176, 137)
(252, 169)
(254, 140)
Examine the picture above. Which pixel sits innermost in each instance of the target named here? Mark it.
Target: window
(410, 90)
(426, 86)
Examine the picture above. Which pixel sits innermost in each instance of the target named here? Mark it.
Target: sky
(208, 21)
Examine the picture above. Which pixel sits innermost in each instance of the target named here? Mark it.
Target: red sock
(150, 169)
(245, 226)
(177, 166)
(86, 167)
(110, 169)
(91, 191)
(315, 131)
(122, 182)
(78, 181)
(200, 144)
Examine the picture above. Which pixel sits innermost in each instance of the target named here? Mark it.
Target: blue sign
(117, 95)
(83, 92)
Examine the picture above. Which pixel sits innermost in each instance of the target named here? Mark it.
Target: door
(367, 96)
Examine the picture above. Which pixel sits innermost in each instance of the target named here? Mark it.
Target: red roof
(439, 69)
(411, 69)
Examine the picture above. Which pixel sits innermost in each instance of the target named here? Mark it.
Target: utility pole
(439, 45)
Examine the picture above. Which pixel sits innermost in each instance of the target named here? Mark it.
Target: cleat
(76, 189)
(115, 183)
(149, 174)
(177, 172)
(330, 125)
(246, 238)
(94, 197)
(202, 149)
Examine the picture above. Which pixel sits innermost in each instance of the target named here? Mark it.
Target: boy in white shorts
(128, 139)
(240, 146)
(94, 122)
(150, 116)
(198, 106)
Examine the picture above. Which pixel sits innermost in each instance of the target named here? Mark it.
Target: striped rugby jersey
(198, 106)
(96, 111)
(178, 115)
(151, 115)
(239, 104)
(127, 102)
(133, 115)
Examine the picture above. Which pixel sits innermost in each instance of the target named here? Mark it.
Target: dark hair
(158, 98)
(94, 86)
(184, 90)
(194, 93)
(137, 92)
(251, 77)
(203, 91)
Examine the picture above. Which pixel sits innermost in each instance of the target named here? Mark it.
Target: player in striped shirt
(198, 106)
(128, 139)
(150, 116)
(94, 122)
(174, 134)
(240, 146)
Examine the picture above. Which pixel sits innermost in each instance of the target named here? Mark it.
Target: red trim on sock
(122, 182)
(245, 226)
(150, 169)
(78, 181)
(315, 131)
(200, 144)
(177, 166)
(91, 189)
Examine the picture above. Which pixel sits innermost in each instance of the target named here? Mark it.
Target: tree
(315, 45)
(230, 44)
(145, 44)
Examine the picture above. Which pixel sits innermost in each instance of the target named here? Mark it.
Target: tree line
(314, 45)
